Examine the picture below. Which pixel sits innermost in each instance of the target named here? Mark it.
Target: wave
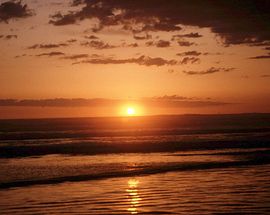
(133, 144)
(168, 167)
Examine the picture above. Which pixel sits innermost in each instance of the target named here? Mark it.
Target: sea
(170, 164)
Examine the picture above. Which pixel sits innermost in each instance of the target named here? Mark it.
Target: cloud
(9, 36)
(14, 9)
(91, 37)
(160, 26)
(209, 71)
(98, 45)
(142, 60)
(159, 44)
(265, 76)
(191, 60)
(132, 45)
(75, 56)
(162, 44)
(261, 57)
(71, 40)
(150, 43)
(186, 43)
(58, 19)
(50, 54)
(161, 101)
(196, 53)
(190, 35)
(189, 53)
(171, 97)
(47, 46)
(143, 37)
(236, 22)
(177, 101)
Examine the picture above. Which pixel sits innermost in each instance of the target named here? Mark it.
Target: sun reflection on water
(133, 196)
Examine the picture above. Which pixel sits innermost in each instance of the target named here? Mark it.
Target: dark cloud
(261, 57)
(163, 43)
(265, 76)
(191, 60)
(235, 21)
(209, 71)
(149, 43)
(186, 43)
(50, 54)
(72, 41)
(47, 46)
(267, 48)
(76, 56)
(196, 53)
(132, 45)
(143, 37)
(172, 97)
(160, 26)
(98, 45)
(180, 101)
(58, 19)
(142, 60)
(189, 53)
(19, 56)
(9, 36)
(190, 35)
(13, 9)
(163, 101)
(91, 37)
(159, 44)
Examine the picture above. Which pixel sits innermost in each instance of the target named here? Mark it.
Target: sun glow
(130, 111)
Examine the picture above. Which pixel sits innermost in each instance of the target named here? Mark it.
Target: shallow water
(241, 190)
(155, 165)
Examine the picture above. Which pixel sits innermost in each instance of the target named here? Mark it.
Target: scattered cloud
(196, 53)
(186, 43)
(163, 44)
(50, 54)
(142, 60)
(9, 36)
(76, 56)
(98, 45)
(91, 37)
(58, 19)
(14, 9)
(162, 101)
(261, 57)
(159, 43)
(47, 46)
(189, 53)
(171, 97)
(190, 60)
(143, 37)
(71, 40)
(132, 45)
(189, 35)
(209, 71)
(265, 76)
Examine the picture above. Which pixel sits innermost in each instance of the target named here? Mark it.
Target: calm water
(144, 165)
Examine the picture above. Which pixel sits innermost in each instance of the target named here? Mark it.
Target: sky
(76, 58)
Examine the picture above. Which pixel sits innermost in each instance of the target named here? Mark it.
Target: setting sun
(130, 111)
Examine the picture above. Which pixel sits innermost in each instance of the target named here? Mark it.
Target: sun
(130, 111)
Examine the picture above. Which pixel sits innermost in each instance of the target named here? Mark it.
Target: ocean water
(190, 164)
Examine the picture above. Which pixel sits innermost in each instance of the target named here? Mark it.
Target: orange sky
(165, 57)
